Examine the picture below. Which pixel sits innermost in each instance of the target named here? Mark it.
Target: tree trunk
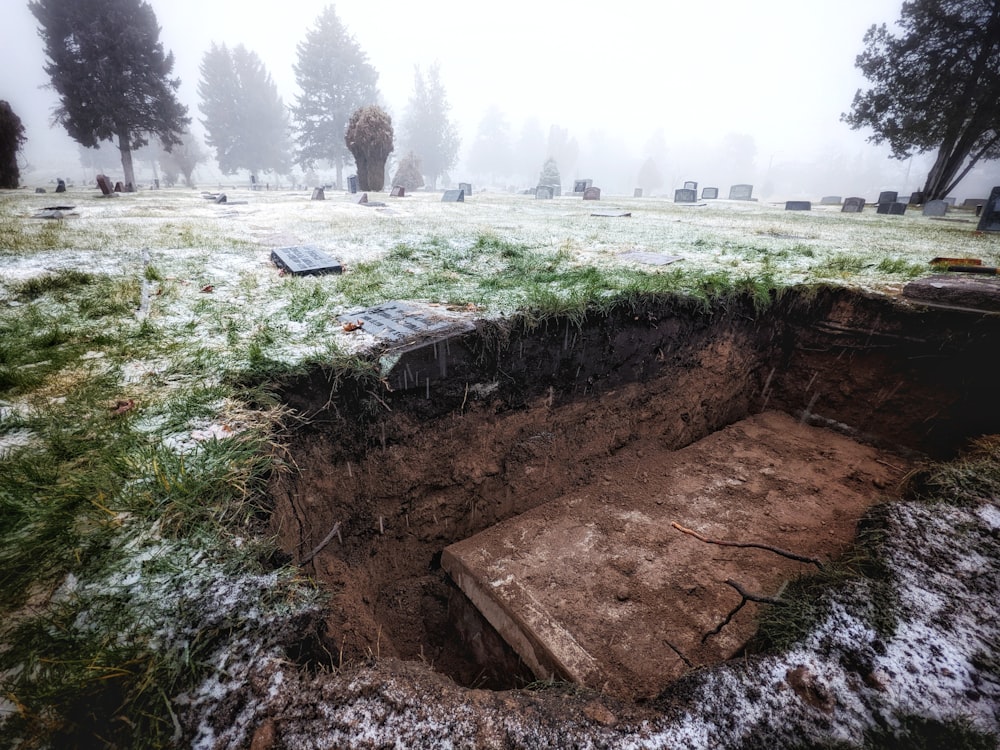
(340, 173)
(126, 150)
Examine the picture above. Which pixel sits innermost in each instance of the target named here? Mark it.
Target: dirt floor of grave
(378, 483)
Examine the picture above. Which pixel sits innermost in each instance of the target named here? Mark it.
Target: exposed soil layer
(527, 414)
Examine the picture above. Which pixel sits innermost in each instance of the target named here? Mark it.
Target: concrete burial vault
(600, 587)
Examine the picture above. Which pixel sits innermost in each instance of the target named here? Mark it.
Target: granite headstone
(989, 219)
(853, 205)
(798, 205)
(935, 208)
(685, 195)
(453, 196)
(709, 193)
(592, 194)
(741, 192)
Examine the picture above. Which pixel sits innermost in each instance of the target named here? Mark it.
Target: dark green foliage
(935, 86)
(429, 132)
(336, 80)
(369, 138)
(107, 65)
(408, 174)
(12, 138)
(244, 117)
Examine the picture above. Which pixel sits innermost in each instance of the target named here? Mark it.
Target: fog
(721, 93)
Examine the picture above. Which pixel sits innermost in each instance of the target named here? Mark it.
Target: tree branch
(745, 597)
(755, 545)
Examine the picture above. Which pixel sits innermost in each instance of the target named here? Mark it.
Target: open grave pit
(588, 438)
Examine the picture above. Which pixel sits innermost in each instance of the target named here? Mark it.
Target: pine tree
(336, 80)
(12, 138)
(182, 160)
(936, 86)
(491, 155)
(408, 174)
(244, 116)
(369, 139)
(429, 132)
(550, 174)
(107, 64)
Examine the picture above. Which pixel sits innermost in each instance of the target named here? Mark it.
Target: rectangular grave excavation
(502, 501)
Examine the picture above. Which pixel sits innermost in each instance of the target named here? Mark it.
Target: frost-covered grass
(133, 444)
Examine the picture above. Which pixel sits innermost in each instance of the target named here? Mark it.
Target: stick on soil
(335, 531)
(755, 545)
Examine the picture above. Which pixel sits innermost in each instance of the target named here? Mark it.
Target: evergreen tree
(107, 64)
(336, 80)
(12, 138)
(182, 160)
(245, 119)
(408, 174)
(429, 132)
(369, 139)
(650, 177)
(530, 149)
(936, 86)
(491, 155)
(550, 174)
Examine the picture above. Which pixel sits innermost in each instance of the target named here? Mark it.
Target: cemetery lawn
(140, 341)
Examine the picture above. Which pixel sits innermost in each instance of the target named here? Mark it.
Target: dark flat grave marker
(465, 187)
(544, 192)
(709, 193)
(935, 208)
(580, 185)
(741, 192)
(592, 194)
(398, 191)
(830, 200)
(691, 185)
(989, 219)
(685, 195)
(305, 260)
(853, 205)
(887, 196)
(896, 208)
(650, 259)
(612, 214)
(916, 198)
(453, 196)
(352, 183)
(798, 205)
(637, 193)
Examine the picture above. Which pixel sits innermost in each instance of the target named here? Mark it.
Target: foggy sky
(780, 71)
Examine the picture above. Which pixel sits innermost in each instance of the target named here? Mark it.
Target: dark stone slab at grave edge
(352, 183)
(61, 186)
(685, 195)
(935, 208)
(916, 198)
(637, 193)
(887, 196)
(319, 194)
(957, 291)
(580, 185)
(592, 194)
(896, 208)
(612, 214)
(424, 340)
(305, 260)
(119, 187)
(830, 200)
(544, 192)
(453, 196)
(105, 184)
(798, 205)
(989, 219)
(709, 193)
(398, 191)
(971, 203)
(741, 192)
(465, 187)
(650, 259)
(691, 185)
(853, 205)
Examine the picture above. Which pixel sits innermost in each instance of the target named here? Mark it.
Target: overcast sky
(781, 71)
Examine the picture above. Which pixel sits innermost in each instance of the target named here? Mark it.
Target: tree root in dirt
(756, 545)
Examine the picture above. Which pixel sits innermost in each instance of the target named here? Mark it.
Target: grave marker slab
(544, 192)
(650, 259)
(951, 201)
(580, 185)
(989, 219)
(830, 200)
(741, 192)
(916, 198)
(798, 205)
(319, 194)
(896, 208)
(612, 214)
(362, 199)
(853, 205)
(935, 208)
(398, 191)
(61, 186)
(691, 185)
(465, 187)
(352, 183)
(592, 194)
(305, 260)
(453, 196)
(40, 191)
(685, 195)
(888, 196)
(105, 184)
(972, 203)
(709, 193)
(637, 193)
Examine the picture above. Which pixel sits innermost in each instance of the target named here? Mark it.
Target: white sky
(781, 71)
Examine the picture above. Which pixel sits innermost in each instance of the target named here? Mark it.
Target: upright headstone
(830, 200)
(853, 205)
(887, 196)
(253, 182)
(709, 193)
(39, 191)
(362, 199)
(685, 195)
(61, 185)
(741, 192)
(895, 208)
(951, 201)
(119, 187)
(973, 203)
(105, 184)
(691, 185)
(935, 208)
(917, 198)
(592, 194)
(221, 198)
(465, 187)
(453, 196)
(798, 205)
(637, 193)
(319, 194)
(989, 219)
(352, 183)
(398, 191)
(580, 185)
(544, 192)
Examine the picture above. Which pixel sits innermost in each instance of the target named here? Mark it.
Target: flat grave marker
(830, 200)
(612, 214)
(453, 196)
(650, 259)
(798, 205)
(741, 193)
(305, 260)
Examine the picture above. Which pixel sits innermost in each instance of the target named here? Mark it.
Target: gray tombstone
(544, 192)
(951, 201)
(221, 198)
(935, 208)
(352, 183)
(798, 205)
(105, 184)
(592, 194)
(887, 196)
(453, 196)
(709, 193)
(685, 195)
(895, 208)
(398, 191)
(972, 203)
(637, 193)
(580, 185)
(362, 199)
(830, 200)
(319, 194)
(305, 260)
(465, 187)
(989, 219)
(39, 191)
(917, 198)
(741, 192)
(691, 185)
(853, 205)
(61, 186)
